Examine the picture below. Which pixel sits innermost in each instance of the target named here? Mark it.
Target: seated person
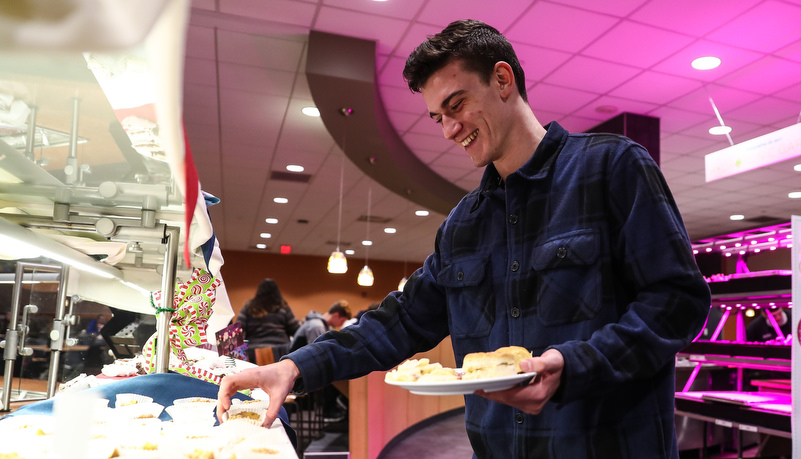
(761, 329)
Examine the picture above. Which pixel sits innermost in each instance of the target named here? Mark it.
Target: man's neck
(526, 141)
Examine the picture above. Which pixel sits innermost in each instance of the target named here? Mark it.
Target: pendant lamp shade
(366, 278)
(337, 263)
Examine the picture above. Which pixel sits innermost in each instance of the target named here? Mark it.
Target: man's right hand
(276, 380)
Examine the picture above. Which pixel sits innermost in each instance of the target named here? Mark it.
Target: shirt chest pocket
(568, 277)
(471, 302)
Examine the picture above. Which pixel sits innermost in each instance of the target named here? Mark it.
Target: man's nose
(450, 127)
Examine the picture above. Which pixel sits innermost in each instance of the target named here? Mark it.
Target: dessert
(519, 354)
(479, 365)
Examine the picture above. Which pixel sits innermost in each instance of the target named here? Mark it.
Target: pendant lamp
(337, 263)
(366, 278)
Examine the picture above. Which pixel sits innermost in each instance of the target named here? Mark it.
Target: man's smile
(469, 139)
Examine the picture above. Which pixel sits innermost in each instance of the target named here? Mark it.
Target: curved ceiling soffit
(341, 73)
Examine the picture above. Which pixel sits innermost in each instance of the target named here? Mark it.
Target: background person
(267, 320)
(572, 247)
(761, 329)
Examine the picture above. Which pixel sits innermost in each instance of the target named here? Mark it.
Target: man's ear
(504, 78)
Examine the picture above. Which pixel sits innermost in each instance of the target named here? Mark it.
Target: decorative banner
(191, 309)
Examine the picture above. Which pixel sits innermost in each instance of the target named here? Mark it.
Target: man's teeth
(470, 138)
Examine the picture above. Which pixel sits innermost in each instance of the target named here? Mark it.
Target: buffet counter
(85, 419)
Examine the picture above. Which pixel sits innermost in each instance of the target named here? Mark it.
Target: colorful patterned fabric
(191, 309)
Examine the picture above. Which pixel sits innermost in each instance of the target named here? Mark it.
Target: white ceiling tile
(200, 42)
(427, 143)
(385, 31)
(655, 87)
(406, 9)
(783, 74)
(690, 17)
(200, 72)
(442, 13)
(391, 73)
(256, 79)
(653, 47)
(545, 97)
(402, 121)
(672, 120)
(402, 100)
(768, 110)
(769, 26)
(680, 63)
(620, 105)
(538, 62)
(725, 98)
(620, 8)
(412, 38)
(591, 74)
(260, 51)
(542, 25)
(791, 51)
(294, 12)
(205, 4)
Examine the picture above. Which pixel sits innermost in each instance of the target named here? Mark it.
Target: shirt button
(513, 219)
(561, 252)
(519, 418)
(515, 312)
(460, 275)
(515, 266)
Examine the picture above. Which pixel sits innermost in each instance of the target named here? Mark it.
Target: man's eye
(456, 105)
(438, 120)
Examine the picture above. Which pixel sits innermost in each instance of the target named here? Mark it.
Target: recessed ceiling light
(736, 217)
(367, 242)
(265, 235)
(794, 194)
(310, 111)
(280, 200)
(421, 213)
(295, 168)
(719, 130)
(797, 167)
(389, 230)
(706, 63)
(261, 246)
(350, 252)
(272, 221)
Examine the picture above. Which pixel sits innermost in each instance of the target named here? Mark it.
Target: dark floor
(445, 437)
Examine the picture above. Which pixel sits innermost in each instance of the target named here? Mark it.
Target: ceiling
(585, 62)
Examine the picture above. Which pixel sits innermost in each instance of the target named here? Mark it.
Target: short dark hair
(342, 308)
(476, 45)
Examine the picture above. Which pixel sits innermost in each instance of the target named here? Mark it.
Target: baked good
(519, 354)
(478, 365)
(439, 374)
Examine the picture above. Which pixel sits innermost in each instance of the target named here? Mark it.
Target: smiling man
(571, 247)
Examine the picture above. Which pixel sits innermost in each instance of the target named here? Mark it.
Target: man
(316, 324)
(572, 247)
(761, 329)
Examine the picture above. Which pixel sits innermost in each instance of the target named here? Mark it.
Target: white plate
(462, 387)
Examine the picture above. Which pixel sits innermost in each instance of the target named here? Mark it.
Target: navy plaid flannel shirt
(582, 250)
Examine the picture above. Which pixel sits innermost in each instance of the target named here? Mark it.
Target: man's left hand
(532, 398)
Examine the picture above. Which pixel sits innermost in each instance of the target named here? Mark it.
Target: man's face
(337, 320)
(777, 314)
(468, 110)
